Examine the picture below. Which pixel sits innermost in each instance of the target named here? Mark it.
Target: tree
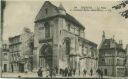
(121, 6)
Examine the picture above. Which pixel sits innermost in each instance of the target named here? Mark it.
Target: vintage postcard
(85, 39)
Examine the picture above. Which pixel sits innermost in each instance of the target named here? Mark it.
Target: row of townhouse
(113, 57)
(17, 53)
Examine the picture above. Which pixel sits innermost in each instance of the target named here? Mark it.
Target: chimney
(103, 36)
(120, 44)
(113, 37)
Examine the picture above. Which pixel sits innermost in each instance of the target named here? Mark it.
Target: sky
(22, 13)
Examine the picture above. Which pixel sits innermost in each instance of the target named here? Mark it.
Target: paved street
(34, 75)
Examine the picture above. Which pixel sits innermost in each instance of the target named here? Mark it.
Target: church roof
(66, 16)
(88, 41)
(72, 19)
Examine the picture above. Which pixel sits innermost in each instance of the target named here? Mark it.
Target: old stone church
(60, 42)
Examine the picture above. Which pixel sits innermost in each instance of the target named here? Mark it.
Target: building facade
(126, 73)
(5, 57)
(21, 50)
(59, 41)
(112, 57)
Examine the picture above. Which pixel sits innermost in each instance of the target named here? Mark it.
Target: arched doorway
(45, 56)
(71, 57)
(67, 46)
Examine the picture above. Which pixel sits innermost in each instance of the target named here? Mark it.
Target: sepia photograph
(64, 39)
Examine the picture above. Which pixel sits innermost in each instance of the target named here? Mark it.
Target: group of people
(67, 72)
(48, 71)
(52, 72)
(100, 73)
(85, 71)
(40, 72)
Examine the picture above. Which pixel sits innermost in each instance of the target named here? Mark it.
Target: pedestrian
(53, 72)
(79, 72)
(101, 73)
(98, 72)
(84, 71)
(39, 72)
(60, 71)
(71, 71)
(66, 72)
(56, 68)
(91, 71)
(74, 71)
(47, 72)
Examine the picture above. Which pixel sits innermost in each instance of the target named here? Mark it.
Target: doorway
(105, 72)
(45, 56)
(5, 67)
(21, 67)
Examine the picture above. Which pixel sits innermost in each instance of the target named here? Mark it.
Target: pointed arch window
(45, 56)
(47, 29)
(68, 42)
(46, 11)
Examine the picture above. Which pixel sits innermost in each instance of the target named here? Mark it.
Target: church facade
(59, 41)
